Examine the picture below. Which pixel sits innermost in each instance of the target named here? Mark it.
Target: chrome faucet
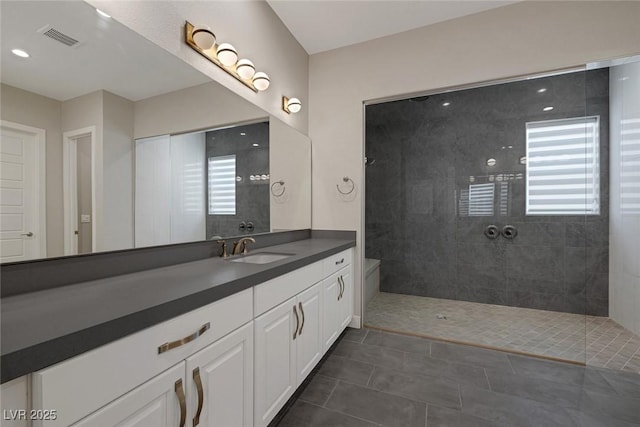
(241, 245)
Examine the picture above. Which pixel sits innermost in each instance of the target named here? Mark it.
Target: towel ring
(346, 179)
(281, 183)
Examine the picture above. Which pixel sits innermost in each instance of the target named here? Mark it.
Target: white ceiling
(110, 56)
(321, 25)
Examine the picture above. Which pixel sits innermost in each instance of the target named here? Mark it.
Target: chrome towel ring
(346, 179)
(273, 189)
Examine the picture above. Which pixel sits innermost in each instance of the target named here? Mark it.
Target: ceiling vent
(59, 36)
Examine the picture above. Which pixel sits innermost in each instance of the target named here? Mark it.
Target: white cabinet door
(220, 382)
(330, 311)
(309, 345)
(274, 358)
(345, 310)
(155, 403)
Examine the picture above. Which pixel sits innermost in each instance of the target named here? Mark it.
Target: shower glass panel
(529, 158)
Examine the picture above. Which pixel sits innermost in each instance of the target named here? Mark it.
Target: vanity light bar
(225, 57)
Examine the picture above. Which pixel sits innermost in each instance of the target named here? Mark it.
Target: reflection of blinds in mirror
(222, 185)
(630, 165)
(481, 197)
(563, 167)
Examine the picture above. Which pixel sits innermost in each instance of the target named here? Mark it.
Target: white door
(330, 311)
(220, 382)
(346, 299)
(309, 341)
(22, 209)
(275, 361)
(155, 403)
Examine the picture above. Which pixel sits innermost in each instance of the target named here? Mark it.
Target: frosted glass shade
(245, 69)
(294, 105)
(227, 54)
(261, 81)
(203, 38)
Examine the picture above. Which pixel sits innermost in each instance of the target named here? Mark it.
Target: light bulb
(294, 105)
(21, 53)
(203, 38)
(245, 69)
(227, 54)
(261, 81)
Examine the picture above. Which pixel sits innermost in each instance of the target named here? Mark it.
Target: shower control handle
(491, 232)
(509, 232)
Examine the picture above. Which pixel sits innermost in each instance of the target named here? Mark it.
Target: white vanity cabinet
(160, 402)
(118, 372)
(220, 382)
(337, 297)
(288, 346)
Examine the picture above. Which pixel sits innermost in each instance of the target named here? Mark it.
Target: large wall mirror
(109, 142)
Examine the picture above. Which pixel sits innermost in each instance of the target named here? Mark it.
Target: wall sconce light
(291, 105)
(225, 56)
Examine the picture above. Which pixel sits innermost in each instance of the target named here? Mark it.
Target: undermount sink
(261, 258)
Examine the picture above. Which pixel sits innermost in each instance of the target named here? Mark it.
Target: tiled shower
(442, 168)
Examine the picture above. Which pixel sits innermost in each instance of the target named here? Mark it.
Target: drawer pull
(340, 262)
(198, 381)
(297, 321)
(173, 344)
(183, 402)
(302, 313)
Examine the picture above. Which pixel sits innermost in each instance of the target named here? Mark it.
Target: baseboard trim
(355, 322)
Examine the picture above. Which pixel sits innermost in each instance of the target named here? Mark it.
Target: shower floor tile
(596, 341)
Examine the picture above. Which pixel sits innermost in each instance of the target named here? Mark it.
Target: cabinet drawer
(81, 385)
(337, 262)
(273, 292)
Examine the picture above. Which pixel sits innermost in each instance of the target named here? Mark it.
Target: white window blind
(630, 166)
(563, 167)
(481, 198)
(222, 185)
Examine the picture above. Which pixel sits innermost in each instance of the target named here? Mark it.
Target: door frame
(40, 150)
(70, 188)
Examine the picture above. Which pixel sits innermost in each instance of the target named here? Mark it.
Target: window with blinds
(222, 185)
(563, 167)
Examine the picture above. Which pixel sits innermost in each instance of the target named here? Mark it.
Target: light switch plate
(85, 218)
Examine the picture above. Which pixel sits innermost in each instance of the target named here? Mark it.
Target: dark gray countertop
(45, 327)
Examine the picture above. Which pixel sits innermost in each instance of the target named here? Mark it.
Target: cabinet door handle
(340, 262)
(198, 381)
(302, 313)
(297, 321)
(183, 402)
(173, 344)
(341, 286)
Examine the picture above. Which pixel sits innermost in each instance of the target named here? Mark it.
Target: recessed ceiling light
(101, 13)
(256, 145)
(547, 109)
(446, 104)
(21, 53)
(542, 90)
(242, 134)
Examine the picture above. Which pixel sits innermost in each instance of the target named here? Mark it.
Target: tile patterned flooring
(598, 341)
(373, 378)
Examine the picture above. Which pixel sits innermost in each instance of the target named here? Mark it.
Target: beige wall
(200, 107)
(289, 161)
(117, 163)
(251, 26)
(519, 39)
(79, 113)
(27, 108)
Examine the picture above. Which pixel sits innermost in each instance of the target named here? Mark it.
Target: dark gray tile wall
(252, 197)
(425, 153)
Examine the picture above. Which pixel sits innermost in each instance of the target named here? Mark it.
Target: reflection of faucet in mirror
(241, 245)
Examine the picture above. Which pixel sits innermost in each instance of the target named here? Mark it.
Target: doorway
(22, 193)
(79, 191)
